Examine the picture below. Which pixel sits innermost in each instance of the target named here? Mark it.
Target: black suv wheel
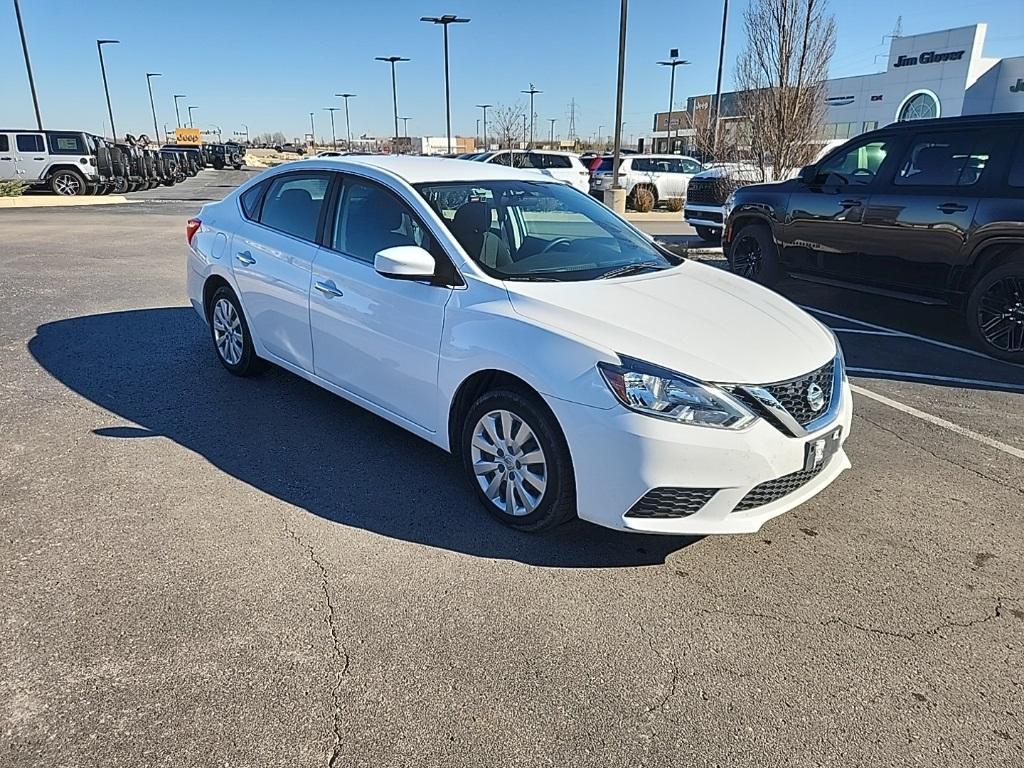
(995, 312)
(754, 255)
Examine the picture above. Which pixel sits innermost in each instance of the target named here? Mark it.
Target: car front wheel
(754, 255)
(517, 460)
(995, 312)
(231, 337)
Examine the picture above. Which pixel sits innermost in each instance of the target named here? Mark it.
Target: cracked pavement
(198, 570)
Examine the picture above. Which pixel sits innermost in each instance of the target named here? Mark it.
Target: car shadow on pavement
(282, 435)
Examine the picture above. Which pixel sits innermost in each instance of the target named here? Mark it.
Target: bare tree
(508, 123)
(781, 76)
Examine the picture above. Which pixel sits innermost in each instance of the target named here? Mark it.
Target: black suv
(930, 211)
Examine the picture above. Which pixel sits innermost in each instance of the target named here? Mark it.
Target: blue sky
(268, 64)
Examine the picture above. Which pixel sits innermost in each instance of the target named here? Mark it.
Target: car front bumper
(619, 456)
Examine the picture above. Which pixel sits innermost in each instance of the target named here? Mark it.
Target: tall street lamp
(533, 91)
(177, 115)
(618, 194)
(674, 62)
(552, 140)
(718, 87)
(485, 107)
(28, 66)
(152, 105)
(445, 21)
(103, 71)
(191, 122)
(394, 85)
(217, 129)
(334, 137)
(348, 124)
(312, 131)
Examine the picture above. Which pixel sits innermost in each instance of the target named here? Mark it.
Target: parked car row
(664, 176)
(80, 163)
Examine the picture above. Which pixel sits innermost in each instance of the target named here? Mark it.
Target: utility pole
(394, 85)
(485, 107)
(28, 66)
(674, 62)
(348, 124)
(718, 87)
(552, 141)
(445, 21)
(619, 198)
(334, 138)
(478, 130)
(106, 90)
(533, 91)
(312, 132)
(524, 132)
(177, 116)
(152, 105)
(191, 122)
(600, 134)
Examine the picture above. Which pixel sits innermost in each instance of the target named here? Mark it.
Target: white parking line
(956, 428)
(935, 377)
(903, 334)
(866, 332)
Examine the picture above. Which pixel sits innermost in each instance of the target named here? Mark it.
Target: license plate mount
(820, 450)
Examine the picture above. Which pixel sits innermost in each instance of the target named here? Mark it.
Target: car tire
(543, 493)
(68, 184)
(709, 235)
(230, 333)
(995, 312)
(120, 185)
(754, 255)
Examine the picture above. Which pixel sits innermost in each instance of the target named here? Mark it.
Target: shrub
(674, 204)
(643, 200)
(12, 188)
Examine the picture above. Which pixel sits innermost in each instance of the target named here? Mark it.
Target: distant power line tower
(897, 31)
(572, 120)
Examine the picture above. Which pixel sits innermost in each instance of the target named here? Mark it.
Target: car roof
(415, 169)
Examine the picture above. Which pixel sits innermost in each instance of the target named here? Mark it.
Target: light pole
(394, 85)
(219, 135)
(312, 132)
(334, 137)
(152, 105)
(485, 107)
(552, 140)
(674, 62)
(28, 66)
(246, 132)
(405, 125)
(618, 196)
(478, 129)
(177, 115)
(106, 90)
(718, 87)
(600, 133)
(191, 122)
(348, 124)
(444, 21)
(533, 91)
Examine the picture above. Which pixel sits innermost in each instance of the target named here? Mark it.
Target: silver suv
(61, 161)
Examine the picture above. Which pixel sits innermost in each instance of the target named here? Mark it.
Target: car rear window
(67, 144)
(5, 143)
(604, 165)
(954, 159)
(250, 200)
(552, 161)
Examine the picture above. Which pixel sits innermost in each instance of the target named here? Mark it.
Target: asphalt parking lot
(204, 571)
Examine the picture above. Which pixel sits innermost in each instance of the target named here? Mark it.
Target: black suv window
(67, 144)
(30, 142)
(293, 203)
(1016, 165)
(856, 165)
(5, 144)
(944, 160)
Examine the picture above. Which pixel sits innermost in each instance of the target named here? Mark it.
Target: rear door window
(293, 203)
(371, 218)
(67, 144)
(953, 159)
(5, 143)
(30, 142)
(1016, 164)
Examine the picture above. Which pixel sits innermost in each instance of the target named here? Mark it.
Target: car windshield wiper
(533, 278)
(631, 268)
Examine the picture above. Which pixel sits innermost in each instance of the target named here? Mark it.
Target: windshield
(526, 230)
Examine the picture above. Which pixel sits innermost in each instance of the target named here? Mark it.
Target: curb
(676, 216)
(55, 202)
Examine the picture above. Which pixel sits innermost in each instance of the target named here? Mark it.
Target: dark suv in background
(930, 211)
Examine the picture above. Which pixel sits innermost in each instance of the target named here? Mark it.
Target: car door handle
(952, 208)
(850, 203)
(245, 257)
(328, 289)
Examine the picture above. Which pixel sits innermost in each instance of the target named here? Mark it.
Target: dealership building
(937, 74)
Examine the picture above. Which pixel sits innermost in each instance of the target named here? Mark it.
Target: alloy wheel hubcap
(1001, 314)
(509, 463)
(227, 332)
(66, 185)
(746, 257)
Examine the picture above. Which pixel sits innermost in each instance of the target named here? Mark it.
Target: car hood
(694, 319)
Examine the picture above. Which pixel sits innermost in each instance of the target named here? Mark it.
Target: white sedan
(573, 366)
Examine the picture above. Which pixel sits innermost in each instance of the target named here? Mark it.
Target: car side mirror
(808, 174)
(405, 262)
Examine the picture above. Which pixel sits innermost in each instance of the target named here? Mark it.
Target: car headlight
(664, 394)
(727, 206)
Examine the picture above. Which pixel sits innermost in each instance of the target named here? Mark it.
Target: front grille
(712, 191)
(671, 502)
(792, 394)
(773, 490)
(715, 216)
